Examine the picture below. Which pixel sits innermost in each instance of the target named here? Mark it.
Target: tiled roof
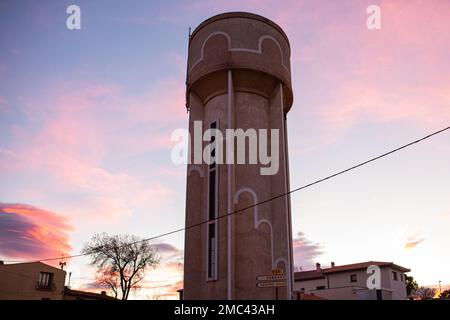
(308, 275)
(364, 265)
(314, 274)
(86, 294)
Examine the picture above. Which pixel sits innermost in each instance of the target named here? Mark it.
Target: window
(302, 290)
(401, 277)
(212, 194)
(320, 288)
(394, 275)
(212, 251)
(213, 140)
(353, 278)
(45, 280)
(212, 226)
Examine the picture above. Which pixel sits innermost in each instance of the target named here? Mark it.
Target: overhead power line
(258, 203)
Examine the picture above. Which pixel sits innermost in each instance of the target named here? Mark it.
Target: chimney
(318, 267)
(332, 264)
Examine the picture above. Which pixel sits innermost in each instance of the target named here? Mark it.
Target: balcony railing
(45, 287)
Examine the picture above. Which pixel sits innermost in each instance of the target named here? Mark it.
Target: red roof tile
(314, 274)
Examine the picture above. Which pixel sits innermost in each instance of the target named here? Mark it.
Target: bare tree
(424, 293)
(298, 268)
(156, 295)
(121, 261)
(109, 280)
(445, 294)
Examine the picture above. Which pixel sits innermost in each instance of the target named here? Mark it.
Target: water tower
(238, 76)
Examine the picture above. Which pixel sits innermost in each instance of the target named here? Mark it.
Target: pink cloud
(412, 242)
(84, 118)
(27, 232)
(164, 102)
(305, 251)
(109, 195)
(163, 282)
(396, 74)
(80, 125)
(357, 103)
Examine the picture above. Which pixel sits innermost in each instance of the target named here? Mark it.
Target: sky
(86, 118)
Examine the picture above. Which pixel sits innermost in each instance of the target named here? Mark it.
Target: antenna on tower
(62, 263)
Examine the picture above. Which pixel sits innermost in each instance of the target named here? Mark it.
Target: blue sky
(86, 117)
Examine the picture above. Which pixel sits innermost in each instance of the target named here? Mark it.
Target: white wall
(339, 286)
(399, 286)
(309, 285)
(342, 279)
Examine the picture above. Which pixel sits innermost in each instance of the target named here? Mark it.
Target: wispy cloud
(306, 252)
(412, 242)
(389, 76)
(72, 140)
(169, 254)
(27, 232)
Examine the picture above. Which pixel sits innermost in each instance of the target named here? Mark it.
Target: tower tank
(238, 77)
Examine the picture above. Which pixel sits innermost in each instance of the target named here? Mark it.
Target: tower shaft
(238, 78)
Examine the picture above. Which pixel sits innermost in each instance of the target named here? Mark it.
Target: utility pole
(70, 276)
(440, 289)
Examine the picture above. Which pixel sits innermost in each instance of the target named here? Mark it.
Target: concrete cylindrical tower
(238, 78)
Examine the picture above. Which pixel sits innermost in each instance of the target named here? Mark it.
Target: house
(70, 294)
(349, 282)
(31, 281)
(39, 281)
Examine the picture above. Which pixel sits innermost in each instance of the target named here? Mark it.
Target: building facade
(39, 281)
(349, 282)
(238, 77)
(31, 281)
